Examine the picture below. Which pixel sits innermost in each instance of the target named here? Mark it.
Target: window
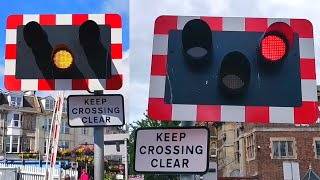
(283, 148)
(67, 144)
(213, 149)
(15, 120)
(64, 144)
(8, 144)
(13, 144)
(49, 104)
(26, 145)
(250, 147)
(62, 127)
(316, 145)
(45, 143)
(237, 151)
(45, 146)
(47, 124)
(318, 149)
(65, 129)
(64, 107)
(9, 120)
(16, 101)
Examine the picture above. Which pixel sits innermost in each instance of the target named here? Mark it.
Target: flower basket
(84, 160)
(28, 155)
(113, 168)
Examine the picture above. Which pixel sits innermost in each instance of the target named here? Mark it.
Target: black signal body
(91, 55)
(263, 84)
(234, 74)
(197, 42)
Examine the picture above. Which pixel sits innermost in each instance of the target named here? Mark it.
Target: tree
(147, 122)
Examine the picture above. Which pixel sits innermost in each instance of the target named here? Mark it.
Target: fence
(33, 173)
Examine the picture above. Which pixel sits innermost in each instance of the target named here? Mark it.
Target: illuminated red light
(273, 48)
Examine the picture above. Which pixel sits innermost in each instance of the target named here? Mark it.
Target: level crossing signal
(233, 69)
(63, 52)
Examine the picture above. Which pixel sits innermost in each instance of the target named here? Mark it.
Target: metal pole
(98, 149)
(5, 138)
(186, 124)
(126, 159)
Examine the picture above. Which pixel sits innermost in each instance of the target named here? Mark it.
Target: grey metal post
(186, 124)
(5, 128)
(98, 138)
(126, 159)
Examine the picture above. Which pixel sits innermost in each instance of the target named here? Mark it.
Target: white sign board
(172, 150)
(96, 110)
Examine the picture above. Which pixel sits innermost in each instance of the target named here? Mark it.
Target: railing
(37, 173)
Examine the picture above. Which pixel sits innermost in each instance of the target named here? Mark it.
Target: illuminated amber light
(63, 59)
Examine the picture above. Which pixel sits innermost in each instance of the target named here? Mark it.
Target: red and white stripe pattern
(13, 84)
(57, 116)
(158, 110)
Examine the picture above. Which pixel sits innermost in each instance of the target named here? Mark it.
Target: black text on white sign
(172, 150)
(95, 110)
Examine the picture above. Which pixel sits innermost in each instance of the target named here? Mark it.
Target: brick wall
(268, 168)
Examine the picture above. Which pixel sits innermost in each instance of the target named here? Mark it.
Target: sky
(142, 27)
(142, 15)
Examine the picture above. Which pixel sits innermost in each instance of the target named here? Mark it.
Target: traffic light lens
(232, 81)
(234, 75)
(62, 59)
(197, 52)
(273, 48)
(197, 42)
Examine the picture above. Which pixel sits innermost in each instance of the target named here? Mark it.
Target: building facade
(69, 137)
(19, 111)
(262, 150)
(25, 121)
(213, 140)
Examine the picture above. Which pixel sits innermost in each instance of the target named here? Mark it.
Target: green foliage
(110, 176)
(148, 122)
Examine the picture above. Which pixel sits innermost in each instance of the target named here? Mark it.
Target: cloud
(1, 70)
(116, 6)
(142, 27)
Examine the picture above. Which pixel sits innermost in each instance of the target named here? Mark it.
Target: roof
(30, 104)
(310, 175)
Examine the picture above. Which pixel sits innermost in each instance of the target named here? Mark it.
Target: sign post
(98, 149)
(172, 150)
(98, 111)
